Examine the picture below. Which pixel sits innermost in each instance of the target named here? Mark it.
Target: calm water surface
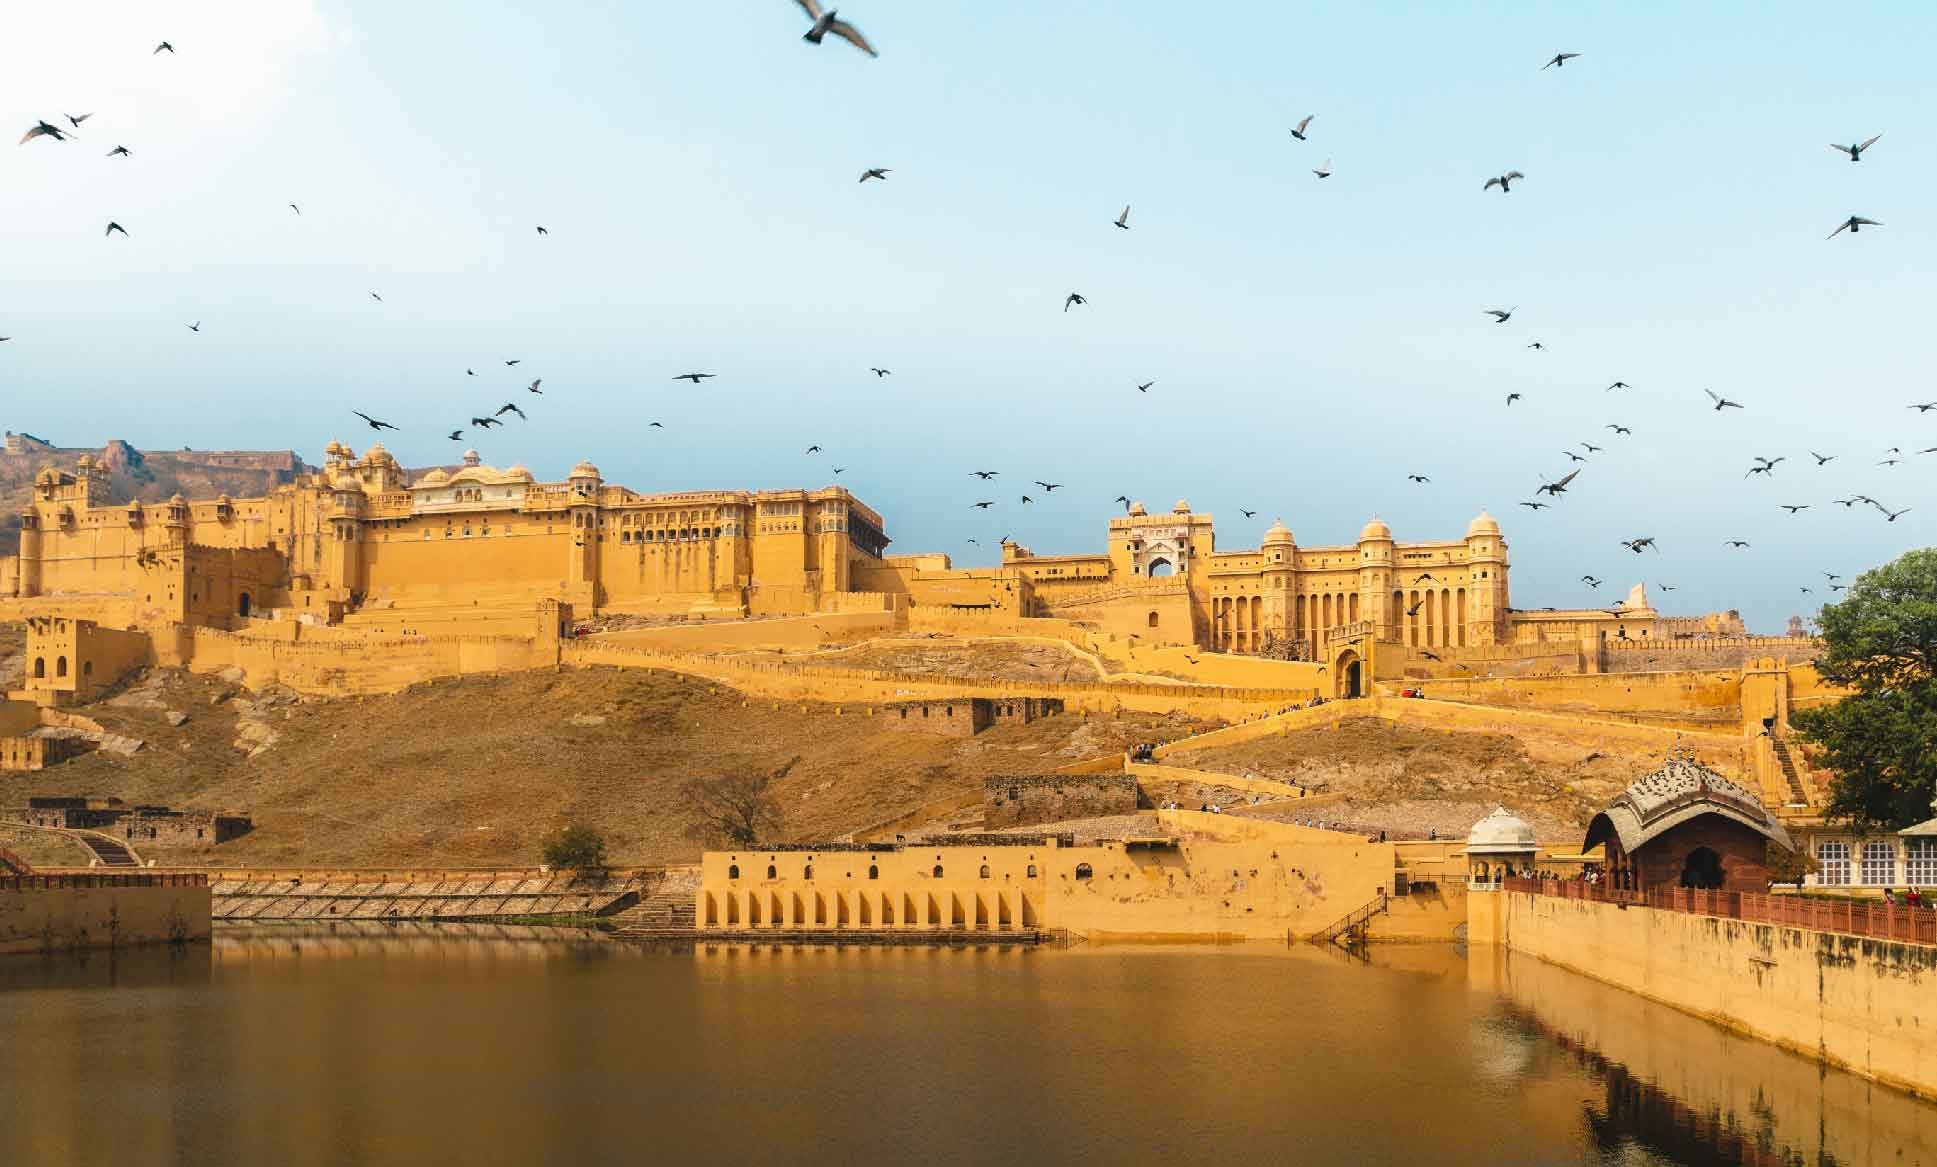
(446, 1046)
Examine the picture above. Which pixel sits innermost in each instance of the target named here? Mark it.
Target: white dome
(1500, 833)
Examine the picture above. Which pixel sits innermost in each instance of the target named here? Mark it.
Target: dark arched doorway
(242, 604)
(1703, 870)
(1159, 568)
(1350, 673)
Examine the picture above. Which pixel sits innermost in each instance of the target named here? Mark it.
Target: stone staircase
(1791, 773)
(110, 852)
(1350, 929)
(667, 912)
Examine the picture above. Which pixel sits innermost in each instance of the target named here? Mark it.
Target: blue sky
(1313, 342)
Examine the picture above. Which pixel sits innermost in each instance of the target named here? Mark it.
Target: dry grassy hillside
(1407, 780)
(477, 770)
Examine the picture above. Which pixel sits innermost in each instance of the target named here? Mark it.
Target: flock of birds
(824, 22)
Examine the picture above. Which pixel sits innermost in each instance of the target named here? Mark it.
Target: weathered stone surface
(175, 717)
(587, 720)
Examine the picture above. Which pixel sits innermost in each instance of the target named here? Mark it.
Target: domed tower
(1280, 553)
(584, 569)
(1486, 589)
(1499, 846)
(176, 522)
(1377, 603)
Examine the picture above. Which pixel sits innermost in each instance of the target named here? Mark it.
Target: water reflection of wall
(1696, 1093)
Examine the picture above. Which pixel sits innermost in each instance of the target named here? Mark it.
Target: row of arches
(979, 911)
(60, 667)
(874, 869)
(1433, 618)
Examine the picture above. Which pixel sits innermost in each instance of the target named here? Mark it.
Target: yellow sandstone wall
(1858, 1003)
(61, 919)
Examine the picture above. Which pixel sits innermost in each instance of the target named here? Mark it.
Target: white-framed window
(1833, 858)
(1879, 867)
(1920, 862)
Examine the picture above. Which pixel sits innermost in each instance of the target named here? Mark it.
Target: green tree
(1881, 741)
(576, 847)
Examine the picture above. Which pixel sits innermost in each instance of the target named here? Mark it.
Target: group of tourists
(1910, 897)
(1145, 752)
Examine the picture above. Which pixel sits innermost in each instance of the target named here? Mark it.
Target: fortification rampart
(1715, 652)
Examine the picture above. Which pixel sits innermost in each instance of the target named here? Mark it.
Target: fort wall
(1620, 656)
(61, 913)
(1851, 1001)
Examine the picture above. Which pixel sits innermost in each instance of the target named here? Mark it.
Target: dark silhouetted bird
(372, 422)
(1073, 298)
(1590, 581)
(457, 435)
(1925, 407)
(984, 475)
(1891, 516)
(1618, 385)
(122, 151)
(1794, 508)
(695, 378)
(485, 423)
(1639, 545)
(1145, 387)
(824, 23)
(1512, 397)
(1048, 487)
(76, 120)
(161, 46)
(1560, 487)
(509, 407)
(521, 361)
(1502, 315)
(1664, 587)
(1247, 514)
(1856, 151)
(1560, 59)
(113, 227)
(1822, 459)
(295, 208)
(1324, 171)
(1736, 543)
(1123, 220)
(983, 506)
(1591, 448)
(195, 327)
(1621, 429)
(377, 298)
(1853, 224)
(879, 373)
(1504, 181)
(542, 231)
(1573, 457)
(1298, 131)
(1538, 347)
(880, 172)
(1423, 576)
(813, 449)
(1535, 506)
(1417, 478)
(534, 387)
(1026, 499)
(1721, 402)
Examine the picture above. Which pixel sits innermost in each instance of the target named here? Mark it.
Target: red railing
(66, 882)
(1877, 920)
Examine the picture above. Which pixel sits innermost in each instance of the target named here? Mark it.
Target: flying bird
(1414, 610)
(1122, 498)
(1822, 459)
(1560, 487)
(1429, 654)
(113, 227)
(295, 208)
(879, 373)
(984, 475)
(1572, 456)
(1511, 398)
(1324, 171)
(1891, 462)
(510, 407)
(1027, 500)
(1853, 224)
(695, 378)
(1423, 576)
(1535, 506)
(470, 372)
(1855, 152)
(1247, 514)
(485, 423)
(880, 172)
(1591, 448)
(1621, 429)
(1123, 220)
(1298, 131)
(655, 425)
(1417, 478)
(840, 469)
(1664, 587)
(521, 361)
(1145, 387)
(824, 23)
(1590, 581)
(373, 422)
(377, 298)
(1502, 315)
(1925, 407)
(1538, 347)
(161, 46)
(1560, 59)
(1721, 402)
(1830, 575)
(1891, 516)
(1738, 543)
(457, 435)
(122, 151)
(813, 449)
(1794, 508)
(983, 506)
(1504, 181)
(1073, 298)
(1639, 545)
(534, 387)
(1047, 487)
(195, 327)
(1617, 385)
(76, 121)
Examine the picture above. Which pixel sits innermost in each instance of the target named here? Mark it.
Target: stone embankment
(418, 895)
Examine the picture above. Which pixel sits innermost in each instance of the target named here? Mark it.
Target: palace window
(874, 872)
(938, 871)
(1833, 857)
(773, 872)
(1920, 862)
(1083, 871)
(1032, 871)
(985, 871)
(1879, 862)
(733, 872)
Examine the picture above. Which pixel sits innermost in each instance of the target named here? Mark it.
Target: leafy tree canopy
(1881, 643)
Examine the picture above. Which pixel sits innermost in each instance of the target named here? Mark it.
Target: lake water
(483, 1046)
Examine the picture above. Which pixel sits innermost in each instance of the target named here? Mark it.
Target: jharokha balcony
(1901, 923)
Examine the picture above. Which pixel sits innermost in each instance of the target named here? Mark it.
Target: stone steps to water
(108, 851)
